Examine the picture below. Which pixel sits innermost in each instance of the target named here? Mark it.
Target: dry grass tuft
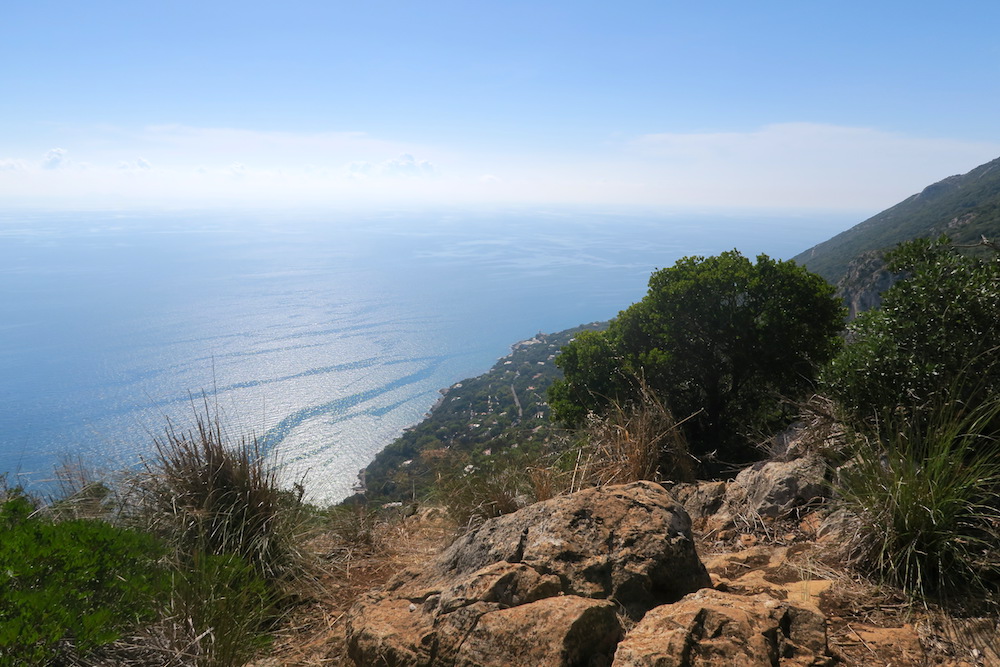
(637, 441)
(207, 493)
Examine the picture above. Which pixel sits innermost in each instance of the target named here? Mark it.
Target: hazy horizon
(785, 106)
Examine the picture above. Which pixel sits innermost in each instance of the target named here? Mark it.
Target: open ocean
(325, 333)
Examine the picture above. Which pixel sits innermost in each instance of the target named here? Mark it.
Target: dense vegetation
(721, 340)
(186, 562)
(933, 342)
(74, 584)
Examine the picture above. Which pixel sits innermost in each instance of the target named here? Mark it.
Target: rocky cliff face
(864, 282)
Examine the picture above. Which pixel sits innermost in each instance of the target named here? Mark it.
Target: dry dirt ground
(866, 626)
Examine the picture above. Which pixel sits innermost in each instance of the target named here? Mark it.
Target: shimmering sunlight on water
(327, 334)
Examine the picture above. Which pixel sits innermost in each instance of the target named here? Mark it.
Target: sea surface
(326, 334)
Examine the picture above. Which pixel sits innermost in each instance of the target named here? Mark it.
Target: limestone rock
(566, 630)
(710, 627)
(702, 500)
(631, 543)
(773, 489)
(550, 576)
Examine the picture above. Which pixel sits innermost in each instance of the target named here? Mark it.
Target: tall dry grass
(206, 492)
(635, 441)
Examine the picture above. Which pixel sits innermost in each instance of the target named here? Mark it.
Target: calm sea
(326, 333)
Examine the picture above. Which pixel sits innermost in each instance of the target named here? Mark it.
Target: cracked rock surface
(544, 584)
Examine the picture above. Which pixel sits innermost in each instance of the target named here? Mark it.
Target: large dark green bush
(719, 339)
(70, 586)
(935, 339)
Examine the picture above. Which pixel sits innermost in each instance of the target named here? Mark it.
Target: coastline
(474, 418)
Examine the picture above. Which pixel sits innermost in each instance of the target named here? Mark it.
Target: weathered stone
(548, 577)
(387, 633)
(558, 632)
(631, 543)
(711, 627)
(508, 584)
(701, 500)
(774, 489)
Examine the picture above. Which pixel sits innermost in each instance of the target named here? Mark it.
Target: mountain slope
(964, 207)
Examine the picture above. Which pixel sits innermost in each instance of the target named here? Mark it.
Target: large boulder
(543, 582)
(711, 627)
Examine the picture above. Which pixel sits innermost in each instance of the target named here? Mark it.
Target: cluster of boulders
(604, 576)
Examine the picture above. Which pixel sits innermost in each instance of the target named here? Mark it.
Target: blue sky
(777, 105)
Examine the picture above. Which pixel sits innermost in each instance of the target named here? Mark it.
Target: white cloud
(405, 166)
(139, 164)
(54, 159)
(792, 165)
(9, 164)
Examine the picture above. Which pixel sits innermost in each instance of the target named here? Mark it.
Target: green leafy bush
(719, 339)
(70, 586)
(934, 340)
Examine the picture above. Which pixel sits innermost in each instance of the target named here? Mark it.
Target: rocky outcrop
(567, 630)
(545, 582)
(774, 489)
(711, 627)
(764, 491)
(864, 282)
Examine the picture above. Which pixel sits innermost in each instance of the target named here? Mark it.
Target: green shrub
(934, 339)
(927, 502)
(71, 586)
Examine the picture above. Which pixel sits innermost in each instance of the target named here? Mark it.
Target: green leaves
(935, 337)
(720, 338)
(83, 581)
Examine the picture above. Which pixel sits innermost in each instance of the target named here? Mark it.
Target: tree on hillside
(935, 339)
(720, 338)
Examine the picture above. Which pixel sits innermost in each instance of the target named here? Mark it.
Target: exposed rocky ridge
(863, 284)
(565, 568)
(610, 576)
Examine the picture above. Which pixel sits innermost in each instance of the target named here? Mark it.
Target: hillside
(964, 207)
(474, 419)
(505, 406)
